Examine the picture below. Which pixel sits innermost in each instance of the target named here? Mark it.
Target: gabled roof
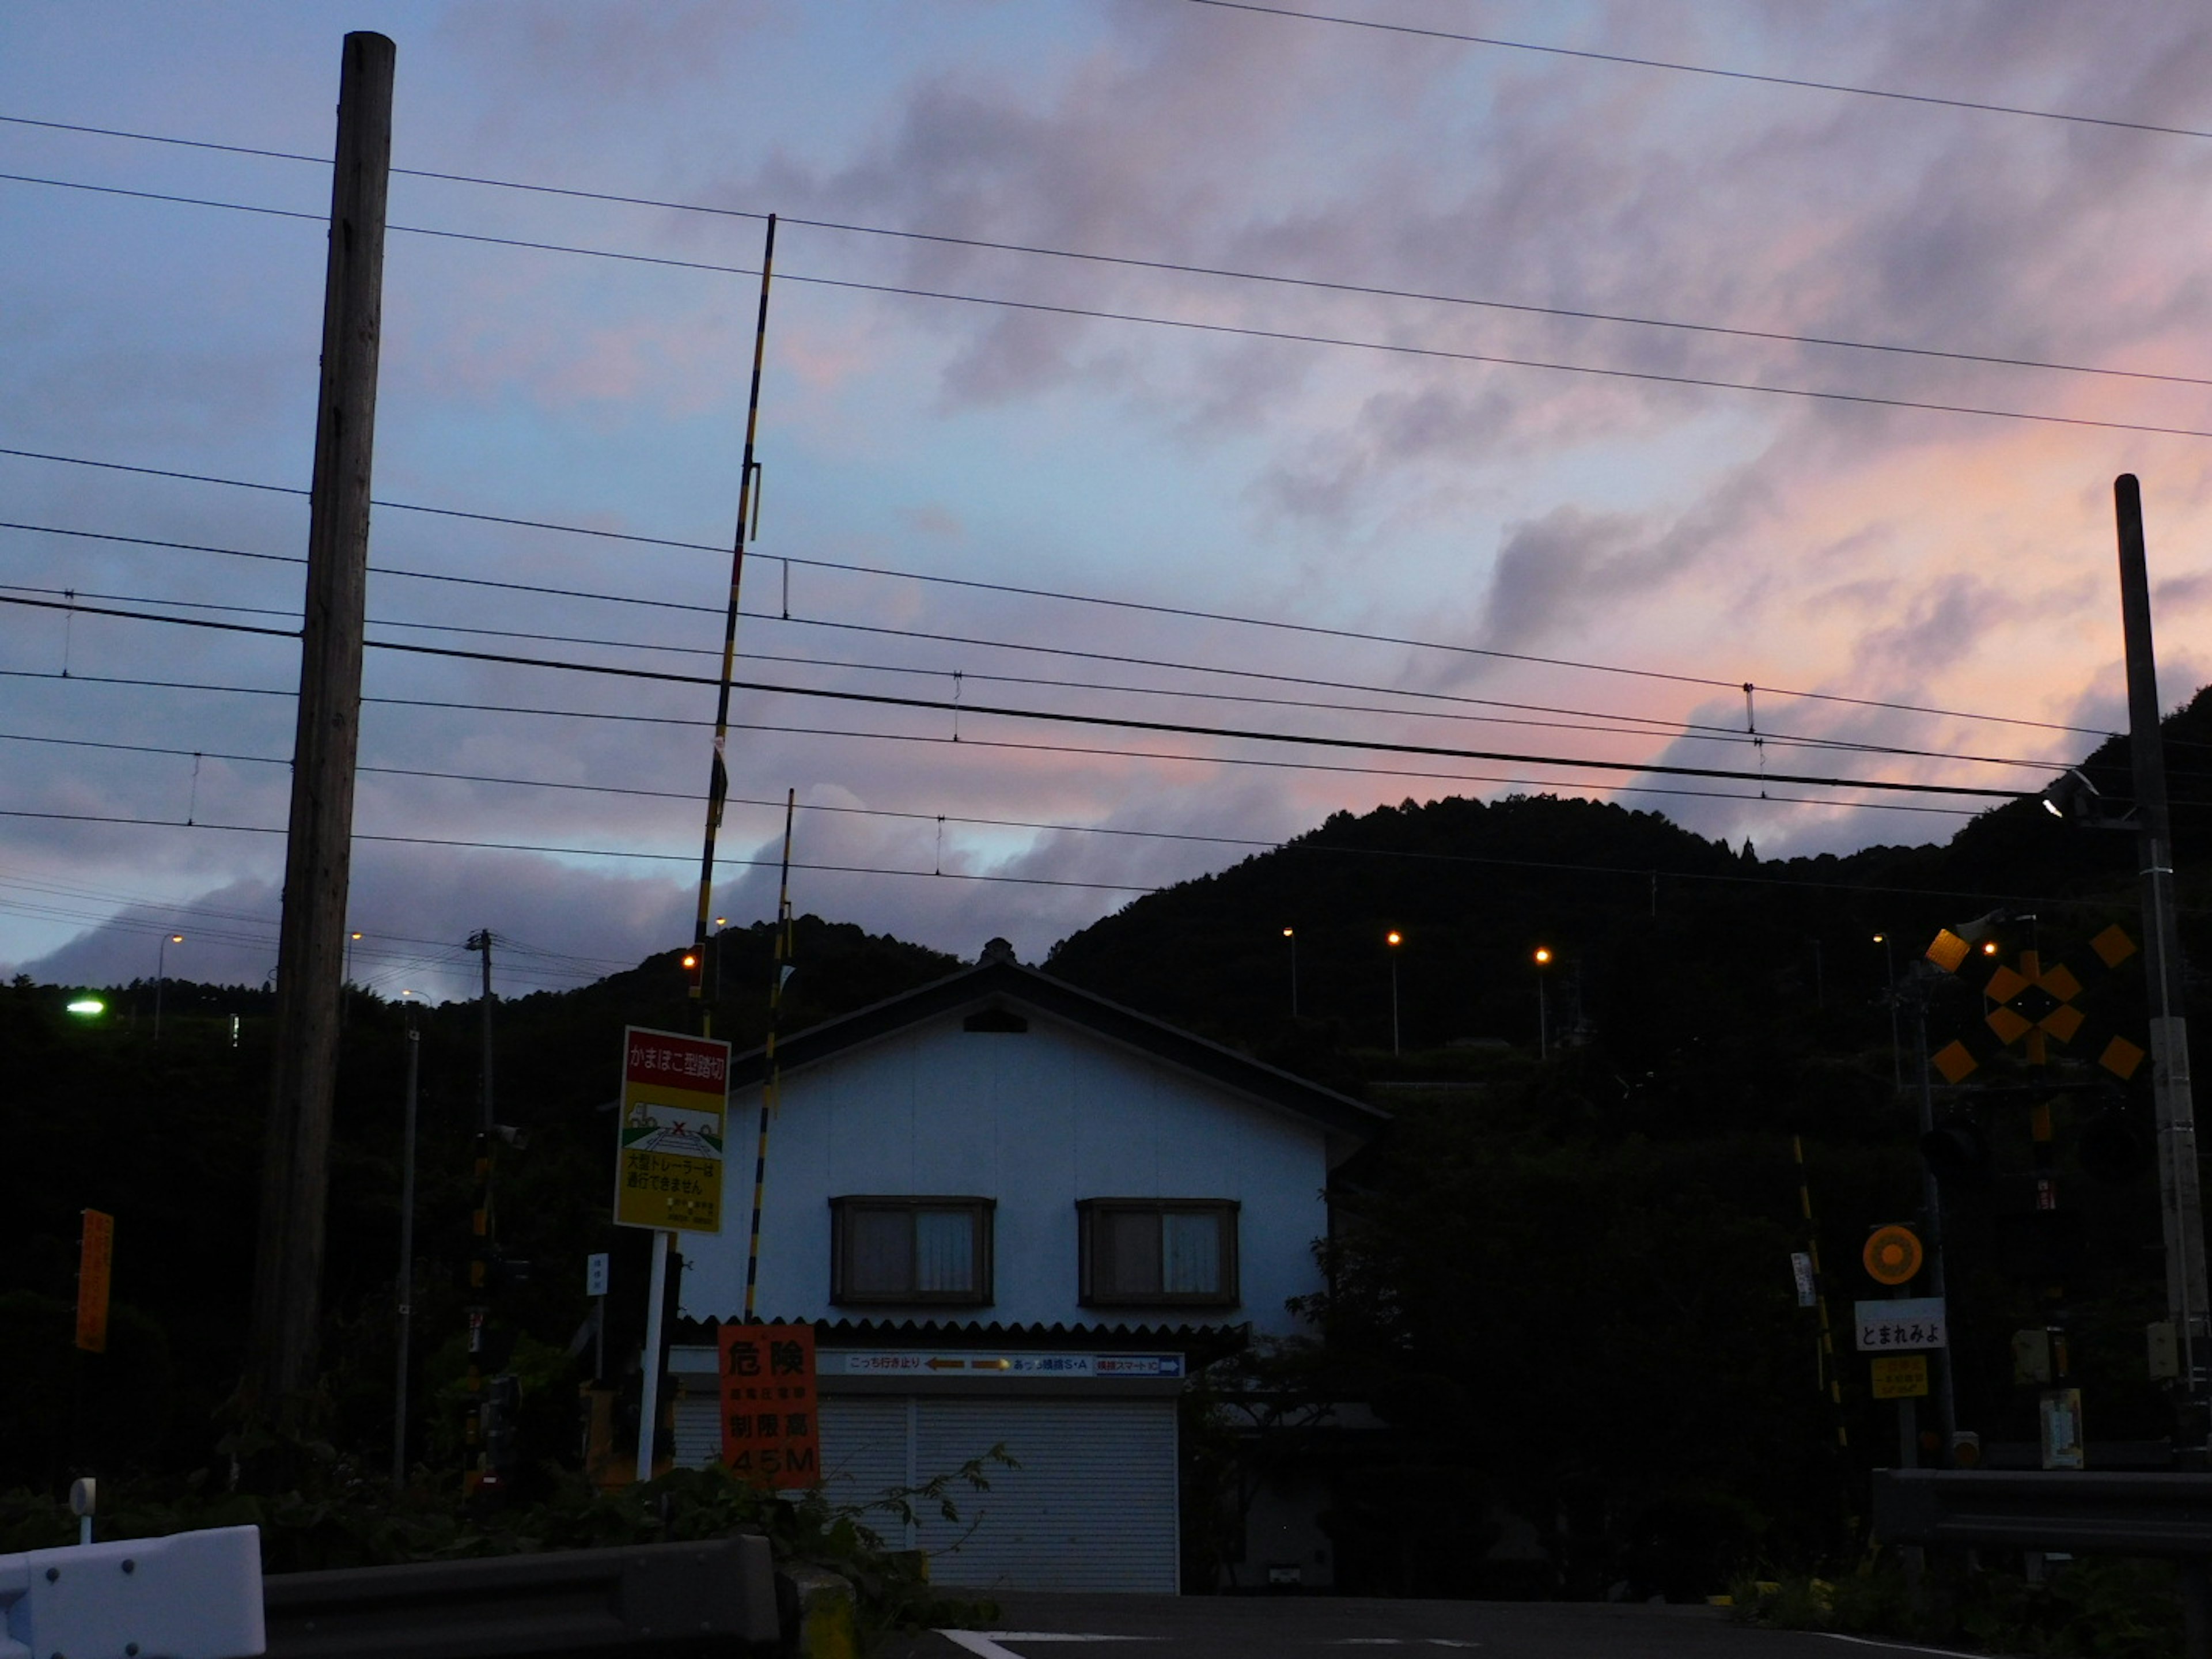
(1000, 981)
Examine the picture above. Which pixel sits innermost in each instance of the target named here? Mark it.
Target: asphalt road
(1037, 1627)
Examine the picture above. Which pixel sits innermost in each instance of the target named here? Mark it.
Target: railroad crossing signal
(2035, 1005)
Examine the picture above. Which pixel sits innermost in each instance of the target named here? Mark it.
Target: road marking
(984, 1643)
(1893, 1647)
(1402, 1642)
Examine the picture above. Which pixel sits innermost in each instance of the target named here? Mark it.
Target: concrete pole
(481, 940)
(2180, 1202)
(319, 847)
(406, 1285)
(656, 1308)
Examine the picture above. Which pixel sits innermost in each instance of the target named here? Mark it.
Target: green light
(87, 1006)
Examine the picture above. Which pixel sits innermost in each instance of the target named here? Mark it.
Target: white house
(1020, 1215)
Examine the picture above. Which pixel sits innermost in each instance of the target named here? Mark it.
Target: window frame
(983, 1212)
(1226, 1212)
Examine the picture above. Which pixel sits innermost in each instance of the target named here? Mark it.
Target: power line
(1637, 872)
(579, 852)
(1063, 717)
(1642, 727)
(1082, 750)
(1293, 336)
(1678, 68)
(1182, 612)
(1171, 267)
(1651, 724)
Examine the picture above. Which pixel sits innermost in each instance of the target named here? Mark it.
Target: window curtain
(944, 1251)
(1190, 1252)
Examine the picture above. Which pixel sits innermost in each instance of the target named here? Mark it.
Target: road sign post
(668, 1173)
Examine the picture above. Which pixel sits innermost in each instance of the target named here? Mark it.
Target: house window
(1150, 1252)
(930, 1250)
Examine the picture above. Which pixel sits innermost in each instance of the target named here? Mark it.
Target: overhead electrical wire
(1794, 83)
(1294, 337)
(1063, 717)
(1171, 267)
(1086, 751)
(1639, 872)
(1655, 724)
(1145, 607)
(1643, 726)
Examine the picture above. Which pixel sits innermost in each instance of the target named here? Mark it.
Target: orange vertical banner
(95, 1261)
(770, 1433)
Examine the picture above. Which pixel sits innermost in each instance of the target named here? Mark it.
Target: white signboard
(1801, 1269)
(1901, 1322)
(595, 1274)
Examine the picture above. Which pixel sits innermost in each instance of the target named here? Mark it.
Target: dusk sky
(1498, 398)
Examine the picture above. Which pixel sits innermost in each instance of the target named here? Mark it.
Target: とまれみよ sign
(668, 1165)
(770, 1434)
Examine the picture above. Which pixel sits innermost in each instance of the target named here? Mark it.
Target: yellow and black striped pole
(771, 1072)
(718, 778)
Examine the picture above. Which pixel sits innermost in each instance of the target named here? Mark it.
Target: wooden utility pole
(318, 848)
(2188, 1304)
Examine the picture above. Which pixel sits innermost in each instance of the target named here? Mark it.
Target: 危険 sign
(668, 1170)
(769, 1430)
(1910, 1321)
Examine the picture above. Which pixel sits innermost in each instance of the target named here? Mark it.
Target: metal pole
(1290, 933)
(161, 971)
(318, 858)
(2180, 1202)
(1931, 1223)
(718, 780)
(406, 1258)
(648, 1404)
(786, 942)
(1394, 1003)
(481, 940)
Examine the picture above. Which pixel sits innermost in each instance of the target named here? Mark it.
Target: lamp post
(352, 939)
(161, 970)
(1393, 938)
(1543, 1010)
(1291, 934)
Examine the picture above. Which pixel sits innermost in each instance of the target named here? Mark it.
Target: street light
(160, 966)
(352, 939)
(1393, 938)
(1291, 934)
(1543, 1010)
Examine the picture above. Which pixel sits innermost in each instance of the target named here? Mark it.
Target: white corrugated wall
(1091, 1507)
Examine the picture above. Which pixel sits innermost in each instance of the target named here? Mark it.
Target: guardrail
(195, 1596)
(713, 1599)
(2077, 1512)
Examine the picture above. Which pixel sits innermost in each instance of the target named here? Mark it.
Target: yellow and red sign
(675, 1095)
(770, 1431)
(95, 1264)
(1900, 1376)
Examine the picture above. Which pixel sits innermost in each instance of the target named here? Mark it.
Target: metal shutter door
(698, 1425)
(1092, 1506)
(867, 1448)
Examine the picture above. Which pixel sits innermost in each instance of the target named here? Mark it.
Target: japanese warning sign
(769, 1433)
(668, 1169)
